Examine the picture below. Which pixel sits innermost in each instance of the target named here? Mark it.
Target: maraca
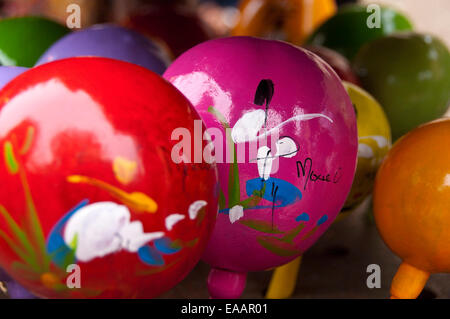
(94, 184)
(275, 202)
(409, 74)
(15, 290)
(109, 41)
(175, 25)
(23, 40)
(291, 20)
(411, 206)
(351, 28)
(374, 137)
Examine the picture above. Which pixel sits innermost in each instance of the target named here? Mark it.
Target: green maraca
(354, 25)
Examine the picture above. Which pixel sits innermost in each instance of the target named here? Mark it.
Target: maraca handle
(408, 282)
(284, 279)
(225, 284)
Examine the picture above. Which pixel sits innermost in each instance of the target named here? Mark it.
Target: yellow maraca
(374, 136)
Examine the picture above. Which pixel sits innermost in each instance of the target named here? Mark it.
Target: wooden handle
(408, 282)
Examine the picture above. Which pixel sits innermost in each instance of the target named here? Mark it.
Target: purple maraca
(109, 41)
(15, 290)
(285, 138)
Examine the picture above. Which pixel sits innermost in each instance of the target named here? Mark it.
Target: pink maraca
(284, 115)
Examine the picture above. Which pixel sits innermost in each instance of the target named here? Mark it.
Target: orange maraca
(412, 206)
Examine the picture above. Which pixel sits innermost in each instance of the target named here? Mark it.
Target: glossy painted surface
(178, 27)
(7, 73)
(270, 210)
(109, 41)
(337, 61)
(411, 201)
(291, 20)
(374, 136)
(23, 40)
(86, 146)
(409, 74)
(347, 31)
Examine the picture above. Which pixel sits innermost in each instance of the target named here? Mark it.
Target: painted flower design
(90, 231)
(285, 147)
(248, 128)
(252, 126)
(264, 192)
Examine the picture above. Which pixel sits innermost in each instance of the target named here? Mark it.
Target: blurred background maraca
(409, 73)
(403, 65)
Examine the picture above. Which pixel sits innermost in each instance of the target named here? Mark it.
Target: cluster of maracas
(408, 73)
(101, 169)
